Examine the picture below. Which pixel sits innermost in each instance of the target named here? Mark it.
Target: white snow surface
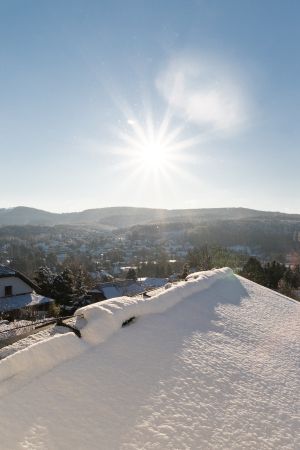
(212, 363)
(23, 301)
(130, 287)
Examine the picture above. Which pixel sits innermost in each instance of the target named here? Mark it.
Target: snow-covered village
(149, 225)
(186, 356)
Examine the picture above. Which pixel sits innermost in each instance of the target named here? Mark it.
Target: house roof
(9, 272)
(114, 289)
(22, 301)
(6, 271)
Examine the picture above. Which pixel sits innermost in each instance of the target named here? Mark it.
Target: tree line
(273, 275)
(68, 287)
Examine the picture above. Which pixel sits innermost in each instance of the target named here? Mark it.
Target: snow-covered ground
(28, 340)
(15, 329)
(212, 363)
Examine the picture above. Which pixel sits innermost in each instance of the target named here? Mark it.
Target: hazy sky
(174, 104)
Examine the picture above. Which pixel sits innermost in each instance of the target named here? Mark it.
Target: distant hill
(120, 217)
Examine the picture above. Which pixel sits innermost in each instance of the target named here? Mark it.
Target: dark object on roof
(128, 321)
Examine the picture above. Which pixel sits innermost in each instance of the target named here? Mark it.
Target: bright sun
(149, 149)
(154, 154)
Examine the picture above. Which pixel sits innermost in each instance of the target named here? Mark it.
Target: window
(8, 291)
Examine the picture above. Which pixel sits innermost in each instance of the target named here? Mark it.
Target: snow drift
(105, 318)
(100, 320)
(212, 363)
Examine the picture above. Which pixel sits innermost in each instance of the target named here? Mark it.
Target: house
(18, 297)
(120, 288)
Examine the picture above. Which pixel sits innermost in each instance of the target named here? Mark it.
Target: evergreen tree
(64, 287)
(273, 273)
(254, 271)
(131, 274)
(296, 276)
(185, 272)
(285, 288)
(44, 279)
(80, 287)
(200, 258)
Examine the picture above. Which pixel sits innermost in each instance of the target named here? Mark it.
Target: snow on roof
(153, 282)
(130, 287)
(6, 271)
(111, 291)
(22, 301)
(211, 363)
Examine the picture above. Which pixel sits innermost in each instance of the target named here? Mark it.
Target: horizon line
(146, 207)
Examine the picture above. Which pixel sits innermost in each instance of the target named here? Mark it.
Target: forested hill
(119, 217)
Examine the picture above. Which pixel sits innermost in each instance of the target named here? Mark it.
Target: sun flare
(151, 149)
(148, 148)
(154, 154)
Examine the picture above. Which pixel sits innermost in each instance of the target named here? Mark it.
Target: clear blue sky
(87, 85)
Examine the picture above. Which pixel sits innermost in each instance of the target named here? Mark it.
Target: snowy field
(212, 363)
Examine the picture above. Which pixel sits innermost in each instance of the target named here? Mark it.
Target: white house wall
(18, 286)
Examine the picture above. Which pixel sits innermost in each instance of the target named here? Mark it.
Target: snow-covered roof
(153, 282)
(9, 272)
(111, 291)
(209, 364)
(22, 301)
(129, 287)
(6, 271)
